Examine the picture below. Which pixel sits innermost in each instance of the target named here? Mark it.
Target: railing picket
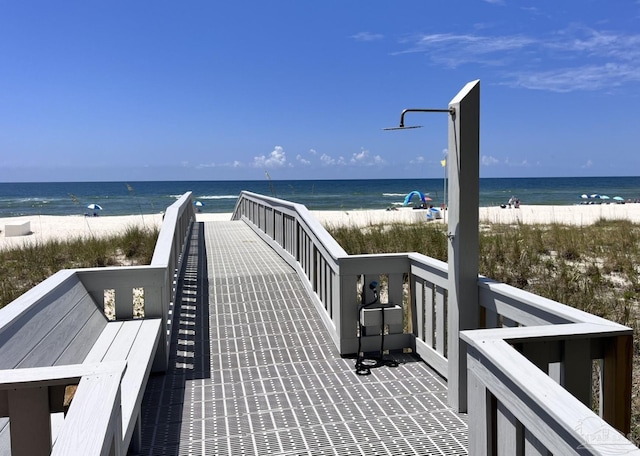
(577, 369)
(429, 315)
(616, 383)
(419, 306)
(533, 446)
(441, 321)
(396, 296)
(510, 433)
(480, 416)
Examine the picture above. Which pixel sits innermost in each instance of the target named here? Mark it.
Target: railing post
(30, 421)
(464, 170)
(615, 406)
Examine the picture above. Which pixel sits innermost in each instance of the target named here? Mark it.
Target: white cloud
(327, 160)
(364, 158)
(234, 164)
(367, 36)
(488, 160)
(312, 152)
(302, 160)
(588, 164)
(575, 58)
(276, 159)
(513, 164)
(591, 77)
(418, 160)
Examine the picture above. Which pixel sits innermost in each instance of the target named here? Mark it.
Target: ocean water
(130, 198)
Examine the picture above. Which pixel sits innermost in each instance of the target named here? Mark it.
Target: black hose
(363, 365)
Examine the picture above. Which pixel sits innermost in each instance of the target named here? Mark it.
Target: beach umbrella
(584, 196)
(199, 203)
(618, 198)
(94, 207)
(594, 195)
(604, 197)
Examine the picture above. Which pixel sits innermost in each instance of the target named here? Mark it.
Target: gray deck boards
(252, 370)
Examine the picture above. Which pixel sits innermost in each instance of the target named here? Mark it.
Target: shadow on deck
(253, 371)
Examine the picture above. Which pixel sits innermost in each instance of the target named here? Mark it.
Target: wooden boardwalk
(252, 370)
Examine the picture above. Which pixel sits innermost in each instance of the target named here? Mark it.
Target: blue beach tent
(420, 195)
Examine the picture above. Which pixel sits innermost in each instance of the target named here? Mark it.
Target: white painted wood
(490, 318)
(430, 356)
(510, 437)
(20, 335)
(548, 332)
(441, 322)
(28, 401)
(429, 269)
(480, 417)
(60, 338)
(516, 384)
(464, 177)
(533, 446)
(98, 419)
(5, 437)
(417, 287)
(530, 309)
(139, 359)
(429, 312)
(396, 296)
(81, 344)
(103, 343)
(51, 375)
(30, 422)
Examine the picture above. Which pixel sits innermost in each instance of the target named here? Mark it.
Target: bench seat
(57, 323)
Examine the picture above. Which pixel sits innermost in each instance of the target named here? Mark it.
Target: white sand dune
(45, 227)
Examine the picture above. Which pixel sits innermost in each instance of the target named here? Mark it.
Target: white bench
(57, 324)
(17, 229)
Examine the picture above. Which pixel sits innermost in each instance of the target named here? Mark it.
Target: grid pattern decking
(254, 372)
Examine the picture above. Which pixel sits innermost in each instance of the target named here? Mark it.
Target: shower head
(402, 127)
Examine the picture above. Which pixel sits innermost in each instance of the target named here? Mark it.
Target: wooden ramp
(252, 370)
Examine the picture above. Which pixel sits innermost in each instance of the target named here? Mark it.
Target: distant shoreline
(46, 227)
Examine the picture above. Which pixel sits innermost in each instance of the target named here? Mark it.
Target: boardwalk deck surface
(252, 370)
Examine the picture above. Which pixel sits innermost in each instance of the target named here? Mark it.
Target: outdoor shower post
(464, 190)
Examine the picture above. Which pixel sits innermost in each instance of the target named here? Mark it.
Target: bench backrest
(55, 323)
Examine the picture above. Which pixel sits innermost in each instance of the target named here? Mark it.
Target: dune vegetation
(21, 268)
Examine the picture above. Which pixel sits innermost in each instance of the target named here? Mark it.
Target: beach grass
(594, 268)
(21, 268)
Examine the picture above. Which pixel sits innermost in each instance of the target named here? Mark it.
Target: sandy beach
(45, 227)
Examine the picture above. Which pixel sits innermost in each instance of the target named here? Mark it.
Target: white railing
(148, 291)
(540, 358)
(95, 426)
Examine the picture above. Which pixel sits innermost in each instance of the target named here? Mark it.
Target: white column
(464, 181)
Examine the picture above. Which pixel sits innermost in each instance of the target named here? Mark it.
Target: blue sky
(203, 90)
